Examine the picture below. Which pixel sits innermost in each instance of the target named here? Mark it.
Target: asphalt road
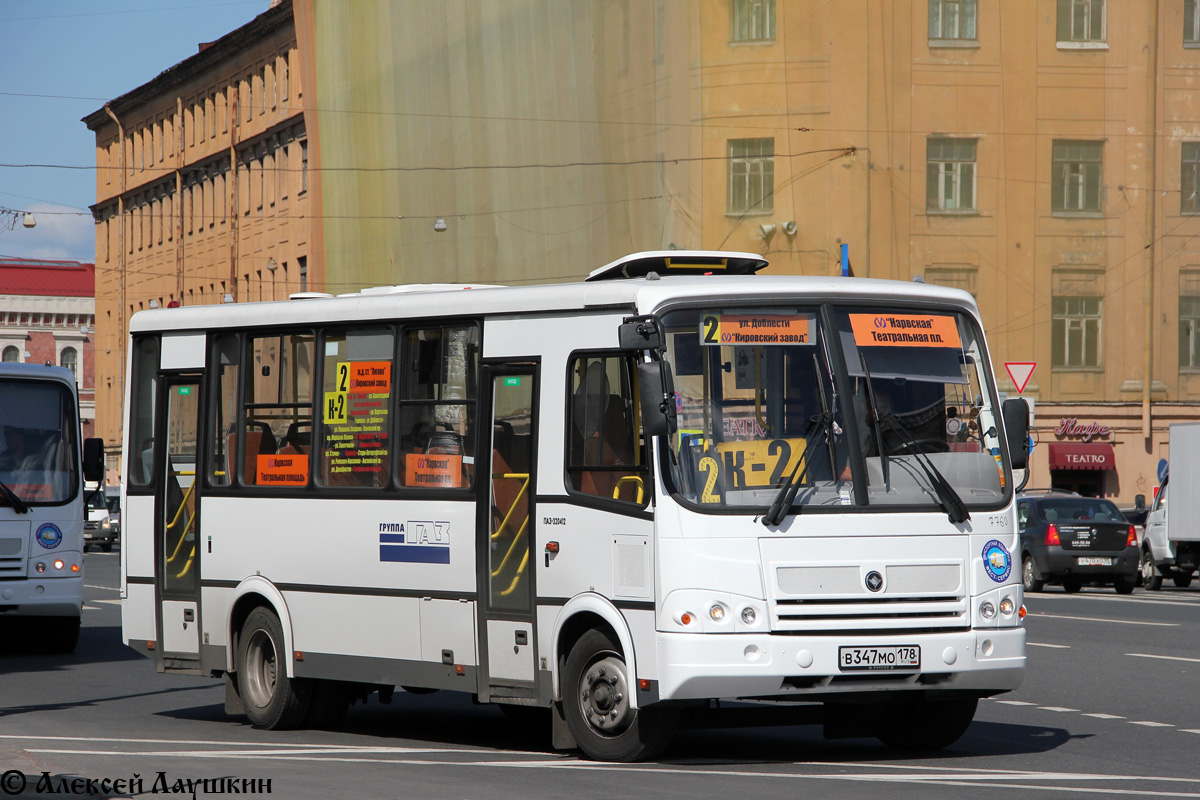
(1109, 706)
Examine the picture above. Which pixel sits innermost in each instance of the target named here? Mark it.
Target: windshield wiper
(19, 505)
(948, 499)
(819, 426)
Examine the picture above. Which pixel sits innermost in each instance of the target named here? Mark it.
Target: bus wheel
(61, 634)
(1182, 580)
(926, 724)
(596, 689)
(273, 700)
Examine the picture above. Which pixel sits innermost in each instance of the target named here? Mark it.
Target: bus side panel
(139, 620)
(352, 571)
(137, 536)
(356, 625)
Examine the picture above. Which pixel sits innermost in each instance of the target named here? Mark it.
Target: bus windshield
(761, 406)
(37, 443)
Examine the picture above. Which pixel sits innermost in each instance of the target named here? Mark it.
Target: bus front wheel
(272, 699)
(61, 634)
(926, 724)
(596, 689)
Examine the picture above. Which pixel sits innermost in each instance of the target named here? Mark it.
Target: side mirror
(656, 390)
(640, 333)
(93, 459)
(1139, 501)
(1016, 430)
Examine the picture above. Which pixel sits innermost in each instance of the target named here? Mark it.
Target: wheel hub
(604, 696)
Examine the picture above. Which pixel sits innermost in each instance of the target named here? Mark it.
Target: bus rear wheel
(926, 724)
(272, 699)
(596, 690)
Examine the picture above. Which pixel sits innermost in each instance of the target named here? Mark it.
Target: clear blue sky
(60, 60)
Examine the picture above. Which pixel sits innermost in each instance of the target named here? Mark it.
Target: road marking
(105, 588)
(1016, 703)
(1043, 644)
(1118, 599)
(1104, 716)
(936, 776)
(1189, 730)
(1099, 619)
(1060, 709)
(1152, 724)
(1167, 658)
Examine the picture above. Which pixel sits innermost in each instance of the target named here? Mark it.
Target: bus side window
(604, 458)
(141, 416)
(279, 393)
(356, 410)
(438, 403)
(226, 366)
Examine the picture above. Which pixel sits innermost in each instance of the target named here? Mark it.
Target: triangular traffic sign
(1020, 372)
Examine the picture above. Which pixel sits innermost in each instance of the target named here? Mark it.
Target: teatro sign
(1069, 426)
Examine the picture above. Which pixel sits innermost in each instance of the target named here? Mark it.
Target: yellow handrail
(186, 528)
(641, 487)
(188, 565)
(520, 534)
(516, 476)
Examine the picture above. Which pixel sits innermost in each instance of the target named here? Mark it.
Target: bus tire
(61, 634)
(1182, 580)
(328, 704)
(272, 699)
(926, 724)
(596, 688)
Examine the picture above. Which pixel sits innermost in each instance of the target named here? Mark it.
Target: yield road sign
(1020, 371)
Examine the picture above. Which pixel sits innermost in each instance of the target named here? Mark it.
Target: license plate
(87, 536)
(905, 657)
(1094, 561)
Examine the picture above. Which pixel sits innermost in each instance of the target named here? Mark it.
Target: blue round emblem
(49, 536)
(996, 561)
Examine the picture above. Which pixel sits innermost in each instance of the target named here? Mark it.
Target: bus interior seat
(298, 439)
(260, 441)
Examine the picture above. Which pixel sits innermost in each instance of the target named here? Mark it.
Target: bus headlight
(717, 612)
(1007, 606)
(59, 564)
(987, 610)
(749, 616)
(40, 566)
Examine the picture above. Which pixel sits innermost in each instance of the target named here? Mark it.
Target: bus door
(176, 518)
(505, 527)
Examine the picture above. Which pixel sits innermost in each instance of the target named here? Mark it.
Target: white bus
(499, 491)
(42, 504)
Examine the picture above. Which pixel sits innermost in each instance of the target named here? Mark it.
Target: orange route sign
(437, 471)
(905, 330)
(287, 470)
(754, 329)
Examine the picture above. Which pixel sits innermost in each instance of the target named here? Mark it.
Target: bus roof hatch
(679, 262)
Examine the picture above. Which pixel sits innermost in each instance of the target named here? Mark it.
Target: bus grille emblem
(874, 581)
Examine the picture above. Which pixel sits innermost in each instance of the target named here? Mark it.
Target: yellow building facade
(201, 192)
(1041, 154)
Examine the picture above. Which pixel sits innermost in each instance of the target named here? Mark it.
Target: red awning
(1078, 455)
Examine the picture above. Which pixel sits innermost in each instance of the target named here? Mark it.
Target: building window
(1189, 332)
(753, 20)
(950, 174)
(952, 20)
(1189, 178)
(751, 175)
(1081, 21)
(283, 77)
(1191, 22)
(1075, 331)
(12, 354)
(69, 358)
(303, 166)
(1075, 180)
